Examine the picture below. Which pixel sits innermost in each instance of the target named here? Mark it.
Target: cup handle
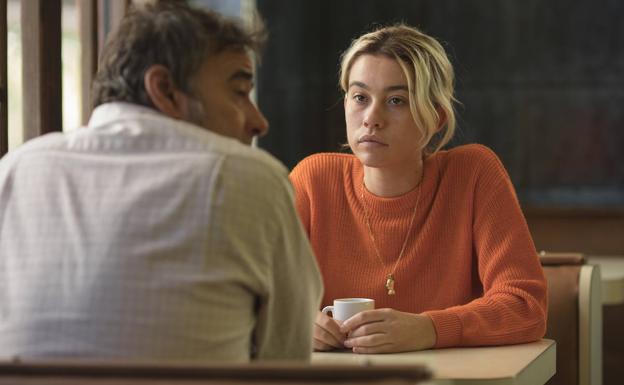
(328, 309)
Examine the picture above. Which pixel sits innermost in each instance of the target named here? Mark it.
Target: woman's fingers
(368, 329)
(395, 332)
(368, 341)
(385, 348)
(327, 333)
(324, 337)
(321, 346)
(367, 316)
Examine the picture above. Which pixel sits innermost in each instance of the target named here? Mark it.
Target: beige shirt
(146, 237)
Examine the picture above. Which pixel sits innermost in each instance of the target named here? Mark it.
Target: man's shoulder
(242, 160)
(51, 141)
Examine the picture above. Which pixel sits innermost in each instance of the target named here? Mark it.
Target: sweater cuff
(448, 328)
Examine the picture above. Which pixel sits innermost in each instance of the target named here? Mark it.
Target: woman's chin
(371, 160)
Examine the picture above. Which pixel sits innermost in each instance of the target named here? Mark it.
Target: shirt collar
(108, 112)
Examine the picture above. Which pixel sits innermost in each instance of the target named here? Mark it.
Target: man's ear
(164, 93)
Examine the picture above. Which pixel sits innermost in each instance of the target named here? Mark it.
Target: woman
(437, 238)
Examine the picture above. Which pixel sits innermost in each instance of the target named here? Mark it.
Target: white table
(526, 364)
(612, 277)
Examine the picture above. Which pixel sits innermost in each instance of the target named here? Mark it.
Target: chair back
(574, 318)
(88, 372)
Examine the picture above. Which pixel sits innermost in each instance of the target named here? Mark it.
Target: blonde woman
(436, 237)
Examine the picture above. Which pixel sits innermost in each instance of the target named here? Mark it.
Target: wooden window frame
(4, 81)
(41, 65)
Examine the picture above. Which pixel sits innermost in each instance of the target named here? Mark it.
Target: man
(155, 232)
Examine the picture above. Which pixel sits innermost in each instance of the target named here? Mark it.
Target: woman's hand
(327, 334)
(388, 331)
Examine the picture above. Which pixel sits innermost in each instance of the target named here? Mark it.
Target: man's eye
(242, 92)
(242, 89)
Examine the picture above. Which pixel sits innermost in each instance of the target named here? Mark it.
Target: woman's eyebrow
(398, 87)
(359, 84)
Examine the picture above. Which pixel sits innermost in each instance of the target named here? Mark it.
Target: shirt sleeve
(286, 318)
(513, 306)
(289, 289)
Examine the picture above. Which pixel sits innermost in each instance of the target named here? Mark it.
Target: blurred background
(541, 82)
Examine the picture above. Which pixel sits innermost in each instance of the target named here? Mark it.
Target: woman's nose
(373, 117)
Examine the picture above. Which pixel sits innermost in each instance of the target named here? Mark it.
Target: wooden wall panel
(88, 52)
(110, 13)
(42, 79)
(592, 232)
(4, 123)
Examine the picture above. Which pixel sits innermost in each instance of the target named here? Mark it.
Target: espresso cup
(345, 308)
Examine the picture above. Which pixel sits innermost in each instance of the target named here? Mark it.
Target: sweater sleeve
(513, 306)
(300, 179)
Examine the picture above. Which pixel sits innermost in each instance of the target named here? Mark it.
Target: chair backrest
(574, 318)
(86, 372)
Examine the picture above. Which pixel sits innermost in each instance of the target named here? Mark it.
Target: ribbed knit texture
(470, 263)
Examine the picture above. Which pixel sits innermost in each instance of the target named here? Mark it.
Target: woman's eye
(395, 101)
(359, 98)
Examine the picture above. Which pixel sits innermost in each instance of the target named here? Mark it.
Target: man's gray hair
(170, 33)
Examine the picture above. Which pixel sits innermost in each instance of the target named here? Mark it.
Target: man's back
(142, 236)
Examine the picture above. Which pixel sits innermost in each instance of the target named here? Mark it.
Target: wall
(541, 83)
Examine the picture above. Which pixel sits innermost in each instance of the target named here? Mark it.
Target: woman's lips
(371, 140)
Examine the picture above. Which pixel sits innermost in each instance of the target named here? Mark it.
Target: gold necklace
(390, 277)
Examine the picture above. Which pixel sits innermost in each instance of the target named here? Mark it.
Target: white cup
(345, 308)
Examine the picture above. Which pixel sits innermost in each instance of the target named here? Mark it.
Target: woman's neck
(392, 182)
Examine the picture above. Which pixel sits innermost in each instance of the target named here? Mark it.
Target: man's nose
(258, 124)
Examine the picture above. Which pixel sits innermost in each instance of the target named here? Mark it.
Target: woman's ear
(164, 93)
(441, 118)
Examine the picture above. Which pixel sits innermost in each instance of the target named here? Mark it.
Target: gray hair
(170, 33)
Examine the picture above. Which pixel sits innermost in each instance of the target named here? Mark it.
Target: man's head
(188, 63)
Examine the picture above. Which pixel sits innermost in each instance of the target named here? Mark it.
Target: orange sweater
(470, 263)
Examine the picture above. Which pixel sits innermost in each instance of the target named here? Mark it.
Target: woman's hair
(170, 33)
(429, 77)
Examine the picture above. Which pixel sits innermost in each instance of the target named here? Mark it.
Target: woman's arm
(513, 306)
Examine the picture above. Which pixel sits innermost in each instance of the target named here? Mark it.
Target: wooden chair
(87, 372)
(574, 318)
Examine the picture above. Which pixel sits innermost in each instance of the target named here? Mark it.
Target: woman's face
(380, 129)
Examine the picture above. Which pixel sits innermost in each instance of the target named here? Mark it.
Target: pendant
(390, 284)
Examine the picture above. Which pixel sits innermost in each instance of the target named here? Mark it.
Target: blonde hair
(429, 76)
